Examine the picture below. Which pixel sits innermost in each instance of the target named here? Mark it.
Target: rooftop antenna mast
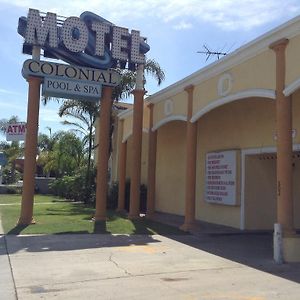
(210, 53)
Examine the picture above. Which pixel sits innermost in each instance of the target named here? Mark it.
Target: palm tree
(4, 122)
(85, 114)
(124, 89)
(66, 155)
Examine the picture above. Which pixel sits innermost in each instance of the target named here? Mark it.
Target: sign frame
(222, 177)
(15, 135)
(71, 89)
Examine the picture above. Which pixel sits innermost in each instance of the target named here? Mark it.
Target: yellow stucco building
(217, 145)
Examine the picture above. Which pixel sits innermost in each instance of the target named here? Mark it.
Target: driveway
(207, 266)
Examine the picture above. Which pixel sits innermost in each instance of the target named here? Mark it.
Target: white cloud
(12, 106)
(183, 25)
(10, 92)
(49, 115)
(226, 14)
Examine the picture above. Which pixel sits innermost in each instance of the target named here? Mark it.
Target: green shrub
(75, 187)
(13, 190)
(10, 176)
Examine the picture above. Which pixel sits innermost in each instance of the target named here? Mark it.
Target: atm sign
(16, 132)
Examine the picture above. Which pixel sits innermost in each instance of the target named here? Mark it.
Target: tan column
(26, 216)
(284, 143)
(190, 174)
(136, 152)
(103, 154)
(122, 169)
(151, 165)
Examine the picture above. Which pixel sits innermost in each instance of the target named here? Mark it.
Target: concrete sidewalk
(215, 263)
(7, 287)
(146, 267)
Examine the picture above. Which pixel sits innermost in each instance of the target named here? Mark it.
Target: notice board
(221, 177)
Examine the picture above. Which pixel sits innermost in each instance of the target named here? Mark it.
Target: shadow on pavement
(251, 249)
(69, 242)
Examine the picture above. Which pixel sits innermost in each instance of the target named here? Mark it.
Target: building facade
(223, 144)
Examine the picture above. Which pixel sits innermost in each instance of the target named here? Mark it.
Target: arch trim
(169, 119)
(264, 93)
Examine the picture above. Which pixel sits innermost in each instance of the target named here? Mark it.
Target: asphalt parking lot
(208, 266)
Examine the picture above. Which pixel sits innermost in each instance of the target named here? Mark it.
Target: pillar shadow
(17, 229)
(100, 227)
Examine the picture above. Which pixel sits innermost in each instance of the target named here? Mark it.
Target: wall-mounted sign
(67, 72)
(89, 40)
(70, 89)
(221, 177)
(16, 132)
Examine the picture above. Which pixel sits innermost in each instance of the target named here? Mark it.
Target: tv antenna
(210, 53)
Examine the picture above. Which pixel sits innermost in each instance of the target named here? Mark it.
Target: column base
(99, 218)
(289, 233)
(150, 216)
(22, 222)
(291, 248)
(187, 227)
(134, 217)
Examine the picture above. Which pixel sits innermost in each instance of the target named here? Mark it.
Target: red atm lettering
(22, 128)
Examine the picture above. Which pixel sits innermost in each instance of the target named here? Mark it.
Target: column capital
(34, 78)
(137, 92)
(189, 88)
(150, 105)
(279, 45)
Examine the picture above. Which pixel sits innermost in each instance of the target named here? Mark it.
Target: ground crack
(118, 266)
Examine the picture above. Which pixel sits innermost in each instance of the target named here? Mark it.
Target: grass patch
(16, 199)
(58, 217)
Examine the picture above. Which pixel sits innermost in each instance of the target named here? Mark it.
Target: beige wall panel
(170, 168)
(205, 93)
(179, 107)
(238, 125)
(293, 60)
(296, 191)
(128, 158)
(260, 192)
(296, 116)
(144, 159)
(255, 73)
(127, 126)
(114, 158)
(146, 115)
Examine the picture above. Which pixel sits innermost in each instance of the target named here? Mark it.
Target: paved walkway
(7, 286)
(211, 265)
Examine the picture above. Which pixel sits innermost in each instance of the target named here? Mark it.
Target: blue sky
(176, 30)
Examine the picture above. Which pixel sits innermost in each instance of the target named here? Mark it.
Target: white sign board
(70, 89)
(221, 177)
(16, 132)
(48, 69)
